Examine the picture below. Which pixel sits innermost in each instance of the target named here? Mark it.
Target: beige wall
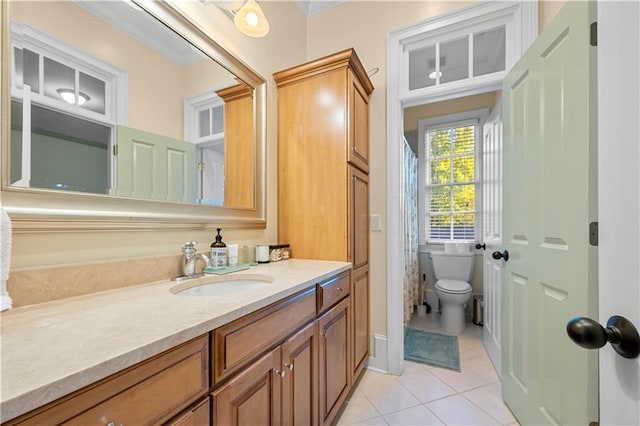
(468, 103)
(283, 47)
(292, 40)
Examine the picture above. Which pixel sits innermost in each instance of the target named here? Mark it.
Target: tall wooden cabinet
(239, 146)
(323, 166)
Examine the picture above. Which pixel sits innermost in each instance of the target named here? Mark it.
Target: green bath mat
(432, 348)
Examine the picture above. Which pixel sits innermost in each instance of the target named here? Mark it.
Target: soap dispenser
(218, 252)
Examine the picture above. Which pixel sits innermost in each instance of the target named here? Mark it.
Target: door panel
(359, 223)
(334, 359)
(548, 204)
(300, 385)
(360, 318)
(492, 234)
(358, 125)
(157, 167)
(252, 397)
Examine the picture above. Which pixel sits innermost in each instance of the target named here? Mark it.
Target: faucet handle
(189, 249)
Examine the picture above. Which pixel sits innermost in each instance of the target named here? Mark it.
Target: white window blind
(451, 182)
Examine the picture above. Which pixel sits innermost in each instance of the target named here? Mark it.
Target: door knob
(620, 332)
(497, 255)
(481, 246)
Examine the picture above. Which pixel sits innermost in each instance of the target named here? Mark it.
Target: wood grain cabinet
(335, 370)
(253, 397)
(200, 415)
(239, 146)
(323, 166)
(289, 363)
(151, 392)
(300, 384)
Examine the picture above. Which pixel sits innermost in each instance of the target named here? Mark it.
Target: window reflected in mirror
(107, 100)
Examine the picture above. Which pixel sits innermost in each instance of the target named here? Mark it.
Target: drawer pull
(281, 373)
(339, 289)
(289, 366)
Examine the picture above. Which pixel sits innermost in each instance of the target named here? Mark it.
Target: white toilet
(453, 272)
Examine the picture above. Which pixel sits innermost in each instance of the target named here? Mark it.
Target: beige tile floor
(427, 395)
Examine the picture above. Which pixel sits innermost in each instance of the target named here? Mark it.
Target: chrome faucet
(190, 261)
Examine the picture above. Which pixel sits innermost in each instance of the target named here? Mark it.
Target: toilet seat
(453, 286)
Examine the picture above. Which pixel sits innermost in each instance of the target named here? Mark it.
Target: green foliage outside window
(451, 182)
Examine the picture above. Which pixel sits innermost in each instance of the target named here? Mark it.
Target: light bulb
(251, 19)
(69, 96)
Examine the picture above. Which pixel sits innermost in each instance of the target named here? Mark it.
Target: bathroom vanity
(144, 355)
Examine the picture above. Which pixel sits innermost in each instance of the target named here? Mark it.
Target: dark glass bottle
(218, 252)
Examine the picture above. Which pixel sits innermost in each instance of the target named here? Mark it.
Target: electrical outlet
(376, 222)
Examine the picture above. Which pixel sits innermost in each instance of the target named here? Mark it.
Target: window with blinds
(451, 182)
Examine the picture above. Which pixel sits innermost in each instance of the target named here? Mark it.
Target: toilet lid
(453, 286)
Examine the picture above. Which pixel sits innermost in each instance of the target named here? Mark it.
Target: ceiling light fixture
(435, 75)
(69, 96)
(250, 19)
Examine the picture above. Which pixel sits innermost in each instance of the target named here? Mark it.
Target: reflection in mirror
(105, 99)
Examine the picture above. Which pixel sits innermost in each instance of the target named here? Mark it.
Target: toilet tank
(453, 266)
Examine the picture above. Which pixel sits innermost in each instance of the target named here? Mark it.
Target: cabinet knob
(289, 366)
(323, 334)
(339, 289)
(281, 373)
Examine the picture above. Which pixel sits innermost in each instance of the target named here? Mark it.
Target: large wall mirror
(121, 114)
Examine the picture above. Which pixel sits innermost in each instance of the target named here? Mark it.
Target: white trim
(378, 361)
(524, 17)
(192, 106)
(476, 117)
(518, 18)
(116, 80)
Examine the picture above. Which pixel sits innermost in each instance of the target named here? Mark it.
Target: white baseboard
(378, 361)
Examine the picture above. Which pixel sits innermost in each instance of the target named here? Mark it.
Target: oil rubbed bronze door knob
(498, 255)
(620, 332)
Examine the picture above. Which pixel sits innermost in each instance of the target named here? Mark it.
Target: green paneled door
(549, 201)
(157, 167)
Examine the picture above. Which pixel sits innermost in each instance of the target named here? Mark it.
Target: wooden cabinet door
(358, 125)
(200, 415)
(359, 217)
(252, 397)
(334, 359)
(300, 385)
(360, 319)
(239, 147)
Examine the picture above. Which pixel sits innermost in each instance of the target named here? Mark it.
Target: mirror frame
(37, 210)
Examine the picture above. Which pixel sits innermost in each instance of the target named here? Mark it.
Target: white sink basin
(221, 286)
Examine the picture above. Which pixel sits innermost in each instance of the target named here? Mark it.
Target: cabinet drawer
(148, 393)
(332, 291)
(237, 343)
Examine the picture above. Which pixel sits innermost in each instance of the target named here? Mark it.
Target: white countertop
(52, 349)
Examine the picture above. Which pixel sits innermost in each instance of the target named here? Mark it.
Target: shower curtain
(411, 276)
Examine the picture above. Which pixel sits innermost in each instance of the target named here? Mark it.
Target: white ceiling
(313, 7)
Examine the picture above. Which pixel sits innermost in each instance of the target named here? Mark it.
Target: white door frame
(619, 200)
(524, 16)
